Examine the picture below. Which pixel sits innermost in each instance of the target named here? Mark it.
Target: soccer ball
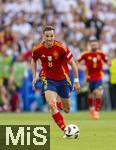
(72, 131)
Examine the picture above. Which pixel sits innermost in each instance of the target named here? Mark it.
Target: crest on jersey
(49, 58)
(98, 57)
(43, 56)
(89, 57)
(94, 59)
(55, 54)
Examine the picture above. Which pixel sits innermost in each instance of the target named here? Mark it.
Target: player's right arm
(35, 57)
(81, 65)
(81, 58)
(34, 70)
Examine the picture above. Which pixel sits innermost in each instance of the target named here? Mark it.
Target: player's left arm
(75, 74)
(69, 58)
(105, 58)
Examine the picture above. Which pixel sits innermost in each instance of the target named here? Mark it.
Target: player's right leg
(91, 104)
(59, 105)
(51, 100)
(49, 89)
(57, 116)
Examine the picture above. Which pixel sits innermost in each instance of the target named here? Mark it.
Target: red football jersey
(94, 64)
(54, 60)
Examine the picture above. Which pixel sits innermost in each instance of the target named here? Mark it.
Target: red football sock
(58, 118)
(90, 102)
(98, 104)
(59, 105)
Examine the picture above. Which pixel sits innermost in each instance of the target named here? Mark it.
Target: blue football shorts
(62, 87)
(95, 85)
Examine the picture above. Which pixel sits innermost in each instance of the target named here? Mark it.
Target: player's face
(48, 38)
(94, 45)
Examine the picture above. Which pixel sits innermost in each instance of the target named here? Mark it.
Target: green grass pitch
(94, 134)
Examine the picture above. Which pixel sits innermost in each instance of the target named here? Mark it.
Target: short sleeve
(34, 56)
(81, 58)
(69, 55)
(104, 57)
(35, 53)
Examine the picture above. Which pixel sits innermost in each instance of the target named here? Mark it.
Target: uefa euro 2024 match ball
(72, 131)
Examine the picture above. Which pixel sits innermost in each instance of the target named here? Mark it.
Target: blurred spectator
(5, 77)
(95, 23)
(8, 36)
(4, 103)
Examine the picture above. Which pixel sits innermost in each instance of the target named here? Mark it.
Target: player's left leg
(98, 100)
(59, 104)
(65, 104)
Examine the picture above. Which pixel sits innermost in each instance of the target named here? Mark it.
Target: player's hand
(34, 82)
(77, 86)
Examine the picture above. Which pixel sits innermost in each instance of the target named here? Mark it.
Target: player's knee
(98, 93)
(67, 110)
(52, 106)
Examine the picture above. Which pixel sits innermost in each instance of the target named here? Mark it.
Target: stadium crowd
(75, 22)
